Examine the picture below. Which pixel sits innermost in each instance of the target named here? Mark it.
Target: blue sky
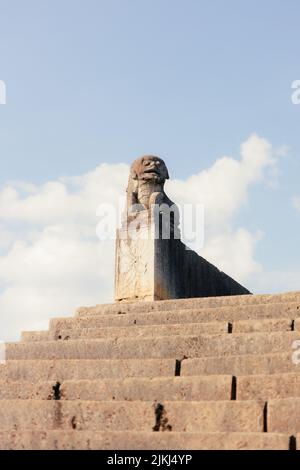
(107, 80)
(103, 81)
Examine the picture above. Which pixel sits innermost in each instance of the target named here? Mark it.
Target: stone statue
(152, 263)
(146, 184)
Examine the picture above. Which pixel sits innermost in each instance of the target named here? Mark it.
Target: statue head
(149, 168)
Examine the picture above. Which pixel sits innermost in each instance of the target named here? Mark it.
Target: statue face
(149, 168)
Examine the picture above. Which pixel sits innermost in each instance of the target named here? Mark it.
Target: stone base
(151, 268)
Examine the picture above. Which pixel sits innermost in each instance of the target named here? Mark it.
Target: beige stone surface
(143, 331)
(216, 416)
(35, 336)
(3, 371)
(89, 328)
(297, 324)
(156, 347)
(268, 387)
(13, 390)
(155, 389)
(87, 440)
(240, 365)
(231, 314)
(219, 416)
(284, 415)
(199, 302)
(89, 369)
(145, 389)
(134, 277)
(252, 326)
(81, 415)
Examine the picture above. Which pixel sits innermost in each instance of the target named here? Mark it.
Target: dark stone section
(182, 273)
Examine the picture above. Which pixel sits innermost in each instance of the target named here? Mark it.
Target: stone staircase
(203, 373)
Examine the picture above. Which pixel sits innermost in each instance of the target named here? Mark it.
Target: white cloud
(233, 252)
(52, 261)
(282, 280)
(67, 200)
(224, 190)
(224, 187)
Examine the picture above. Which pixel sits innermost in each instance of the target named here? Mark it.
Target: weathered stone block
(288, 302)
(240, 365)
(266, 387)
(147, 389)
(284, 415)
(204, 416)
(150, 268)
(84, 369)
(155, 347)
(268, 325)
(142, 331)
(97, 440)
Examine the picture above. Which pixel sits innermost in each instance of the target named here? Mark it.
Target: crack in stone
(265, 417)
(233, 388)
(178, 366)
(73, 422)
(292, 443)
(56, 394)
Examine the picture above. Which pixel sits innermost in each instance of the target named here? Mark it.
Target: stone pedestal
(151, 267)
(135, 256)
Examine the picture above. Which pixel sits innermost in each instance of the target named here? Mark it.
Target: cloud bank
(52, 261)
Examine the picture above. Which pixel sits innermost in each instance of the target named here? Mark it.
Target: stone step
(206, 387)
(260, 326)
(93, 369)
(289, 310)
(283, 415)
(157, 347)
(180, 304)
(198, 416)
(135, 331)
(240, 326)
(243, 326)
(41, 335)
(95, 440)
(35, 336)
(267, 387)
(248, 364)
(86, 369)
(144, 389)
